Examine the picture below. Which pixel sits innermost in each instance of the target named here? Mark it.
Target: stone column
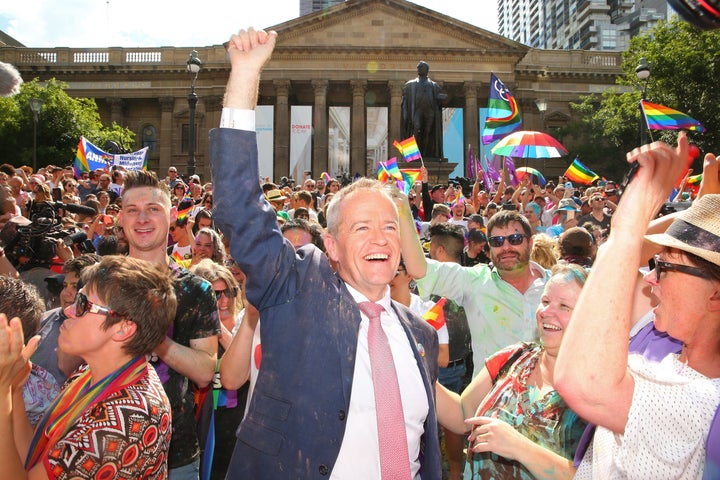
(471, 122)
(282, 129)
(167, 104)
(394, 128)
(320, 128)
(116, 109)
(358, 127)
(206, 122)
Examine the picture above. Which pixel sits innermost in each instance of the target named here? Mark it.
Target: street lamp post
(193, 66)
(542, 106)
(35, 105)
(642, 72)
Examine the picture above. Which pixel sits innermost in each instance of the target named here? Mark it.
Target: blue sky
(180, 23)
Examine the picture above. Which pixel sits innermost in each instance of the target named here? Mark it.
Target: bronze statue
(421, 107)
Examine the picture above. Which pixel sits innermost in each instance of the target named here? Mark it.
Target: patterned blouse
(544, 419)
(127, 436)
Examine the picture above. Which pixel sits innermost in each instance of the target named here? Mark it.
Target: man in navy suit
(313, 411)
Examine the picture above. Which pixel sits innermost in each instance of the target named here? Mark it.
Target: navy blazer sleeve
(309, 327)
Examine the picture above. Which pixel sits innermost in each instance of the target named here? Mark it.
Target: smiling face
(510, 257)
(553, 313)
(145, 220)
(366, 245)
(225, 305)
(204, 247)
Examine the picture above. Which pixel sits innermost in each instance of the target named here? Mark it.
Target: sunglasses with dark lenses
(514, 239)
(228, 292)
(83, 306)
(660, 266)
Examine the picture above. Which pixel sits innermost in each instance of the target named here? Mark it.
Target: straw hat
(695, 230)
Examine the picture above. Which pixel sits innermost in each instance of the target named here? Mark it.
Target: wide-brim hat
(695, 230)
(275, 195)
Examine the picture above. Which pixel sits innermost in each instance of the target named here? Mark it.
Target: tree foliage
(61, 121)
(685, 67)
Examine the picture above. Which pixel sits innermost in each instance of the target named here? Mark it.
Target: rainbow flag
(411, 175)
(382, 174)
(695, 179)
(325, 176)
(184, 207)
(660, 117)
(503, 116)
(579, 173)
(436, 315)
(460, 198)
(408, 148)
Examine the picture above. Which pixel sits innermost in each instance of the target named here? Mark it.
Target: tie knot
(371, 309)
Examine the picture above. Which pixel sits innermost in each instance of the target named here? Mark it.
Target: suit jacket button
(341, 415)
(323, 469)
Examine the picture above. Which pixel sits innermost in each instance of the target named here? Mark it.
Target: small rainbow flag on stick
(579, 173)
(409, 149)
(660, 117)
(436, 315)
(325, 176)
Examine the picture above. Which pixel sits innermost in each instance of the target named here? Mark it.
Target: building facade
(605, 25)
(330, 96)
(311, 6)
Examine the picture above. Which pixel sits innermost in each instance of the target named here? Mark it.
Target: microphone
(74, 208)
(10, 80)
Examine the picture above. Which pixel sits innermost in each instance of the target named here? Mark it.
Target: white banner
(264, 121)
(300, 141)
(132, 161)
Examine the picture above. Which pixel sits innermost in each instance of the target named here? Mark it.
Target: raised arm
(592, 376)
(249, 51)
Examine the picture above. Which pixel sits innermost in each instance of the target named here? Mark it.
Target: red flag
(436, 315)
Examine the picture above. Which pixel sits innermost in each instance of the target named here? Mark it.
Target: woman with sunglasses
(653, 416)
(228, 404)
(112, 419)
(519, 425)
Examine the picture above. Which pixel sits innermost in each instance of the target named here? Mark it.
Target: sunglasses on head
(230, 292)
(514, 239)
(661, 266)
(83, 305)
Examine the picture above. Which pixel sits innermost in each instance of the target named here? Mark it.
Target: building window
(149, 139)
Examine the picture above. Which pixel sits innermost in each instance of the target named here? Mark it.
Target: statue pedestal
(439, 170)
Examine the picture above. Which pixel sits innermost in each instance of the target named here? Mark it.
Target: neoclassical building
(330, 97)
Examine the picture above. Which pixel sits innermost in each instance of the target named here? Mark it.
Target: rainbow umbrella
(522, 171)
(529, 144)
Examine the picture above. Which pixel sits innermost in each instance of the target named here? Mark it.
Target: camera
(33, 244)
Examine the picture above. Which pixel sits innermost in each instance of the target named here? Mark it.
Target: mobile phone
(57, 194)
(602, 183)
(568, 185)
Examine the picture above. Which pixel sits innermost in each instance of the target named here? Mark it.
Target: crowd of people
(169, 328)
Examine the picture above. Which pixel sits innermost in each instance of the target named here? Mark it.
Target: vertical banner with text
(300, 141)
(264, 121)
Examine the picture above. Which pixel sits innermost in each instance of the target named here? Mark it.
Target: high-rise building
(578, 24)
(310, 6)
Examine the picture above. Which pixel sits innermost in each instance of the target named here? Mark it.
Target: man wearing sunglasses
(189, 351)
(500, 299)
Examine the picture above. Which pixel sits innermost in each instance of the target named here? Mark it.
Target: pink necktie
(392, 436)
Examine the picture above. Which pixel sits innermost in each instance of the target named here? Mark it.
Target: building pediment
(388, 25)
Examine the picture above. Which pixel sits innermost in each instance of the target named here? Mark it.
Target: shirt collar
(385, 301)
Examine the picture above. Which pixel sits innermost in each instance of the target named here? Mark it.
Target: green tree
(685, 66)
(61, 122)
